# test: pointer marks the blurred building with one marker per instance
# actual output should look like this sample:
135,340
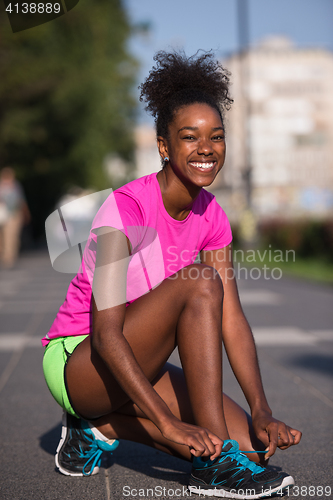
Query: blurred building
281,126
147,158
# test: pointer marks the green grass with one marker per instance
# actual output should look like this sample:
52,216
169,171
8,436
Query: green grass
315,269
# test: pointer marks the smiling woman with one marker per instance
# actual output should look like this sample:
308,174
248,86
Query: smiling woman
140,293
195,145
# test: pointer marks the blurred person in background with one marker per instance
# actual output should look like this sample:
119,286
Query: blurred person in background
14,213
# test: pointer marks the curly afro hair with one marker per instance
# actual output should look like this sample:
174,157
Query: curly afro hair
178,81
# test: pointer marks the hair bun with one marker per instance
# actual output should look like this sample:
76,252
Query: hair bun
175,73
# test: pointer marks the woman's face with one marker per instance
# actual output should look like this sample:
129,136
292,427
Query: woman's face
196,145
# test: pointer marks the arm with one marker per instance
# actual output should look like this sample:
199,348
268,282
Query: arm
109,341
241,351
26,213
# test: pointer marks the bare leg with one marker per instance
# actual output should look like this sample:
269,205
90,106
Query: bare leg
184,310
130,423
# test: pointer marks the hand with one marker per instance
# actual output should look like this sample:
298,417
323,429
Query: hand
201,441
274,433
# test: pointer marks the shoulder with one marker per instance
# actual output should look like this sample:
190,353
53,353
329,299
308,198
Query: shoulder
136,196
137,188
209,206
218,227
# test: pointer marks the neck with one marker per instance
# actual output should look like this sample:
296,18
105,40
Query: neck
178,198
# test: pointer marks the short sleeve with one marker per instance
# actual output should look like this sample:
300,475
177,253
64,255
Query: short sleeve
220,233
122,212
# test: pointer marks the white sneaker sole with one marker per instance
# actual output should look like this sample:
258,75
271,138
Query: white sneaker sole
214,492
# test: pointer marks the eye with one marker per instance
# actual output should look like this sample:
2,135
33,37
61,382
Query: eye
189,138
219,137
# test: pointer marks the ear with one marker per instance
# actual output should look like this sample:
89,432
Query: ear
162,147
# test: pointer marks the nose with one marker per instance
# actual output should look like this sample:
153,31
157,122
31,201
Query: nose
205,147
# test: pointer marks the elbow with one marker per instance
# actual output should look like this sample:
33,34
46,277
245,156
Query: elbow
103,340
100,340
97,342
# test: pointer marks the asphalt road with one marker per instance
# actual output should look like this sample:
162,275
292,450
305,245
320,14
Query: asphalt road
293,326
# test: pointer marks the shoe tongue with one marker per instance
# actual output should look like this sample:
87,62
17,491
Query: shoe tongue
230,445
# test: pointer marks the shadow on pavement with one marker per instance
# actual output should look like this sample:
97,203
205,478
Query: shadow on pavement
49,441
316,362
133,456
136,457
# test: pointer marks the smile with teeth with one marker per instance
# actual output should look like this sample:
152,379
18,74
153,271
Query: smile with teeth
203,165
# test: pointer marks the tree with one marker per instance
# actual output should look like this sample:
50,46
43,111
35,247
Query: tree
66,101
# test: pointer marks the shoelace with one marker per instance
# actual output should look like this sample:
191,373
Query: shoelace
96,455
242,459
93,455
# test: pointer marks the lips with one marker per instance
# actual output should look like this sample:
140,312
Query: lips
203,166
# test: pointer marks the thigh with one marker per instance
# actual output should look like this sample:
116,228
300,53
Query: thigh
54,362
150,328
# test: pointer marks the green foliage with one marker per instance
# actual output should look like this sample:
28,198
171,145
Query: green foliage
66,101
312,242
309,239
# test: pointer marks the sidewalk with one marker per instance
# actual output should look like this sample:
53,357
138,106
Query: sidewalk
293,324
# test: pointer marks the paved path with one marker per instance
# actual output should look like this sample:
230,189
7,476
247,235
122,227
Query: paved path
293,325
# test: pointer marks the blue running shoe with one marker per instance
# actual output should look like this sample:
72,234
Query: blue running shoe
233,475
79,452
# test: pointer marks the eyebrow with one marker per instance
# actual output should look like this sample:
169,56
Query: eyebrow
196,128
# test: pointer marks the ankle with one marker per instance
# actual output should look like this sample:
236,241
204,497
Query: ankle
100,435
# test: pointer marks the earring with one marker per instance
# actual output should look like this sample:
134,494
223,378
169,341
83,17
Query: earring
166,158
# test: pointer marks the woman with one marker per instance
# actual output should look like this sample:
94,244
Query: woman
114,334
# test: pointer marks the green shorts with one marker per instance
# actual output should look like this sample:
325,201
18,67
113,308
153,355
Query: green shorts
57,353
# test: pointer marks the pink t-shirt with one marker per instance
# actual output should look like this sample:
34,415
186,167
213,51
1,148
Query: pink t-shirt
160,245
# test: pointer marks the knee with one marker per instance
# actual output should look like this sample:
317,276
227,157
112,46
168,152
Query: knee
206,282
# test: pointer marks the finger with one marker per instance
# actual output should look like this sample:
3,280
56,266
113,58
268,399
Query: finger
263,437
294,437
205,443
271,448
218,444
285,438
196,450
200,446
272,432
297,435
210,446
285,445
